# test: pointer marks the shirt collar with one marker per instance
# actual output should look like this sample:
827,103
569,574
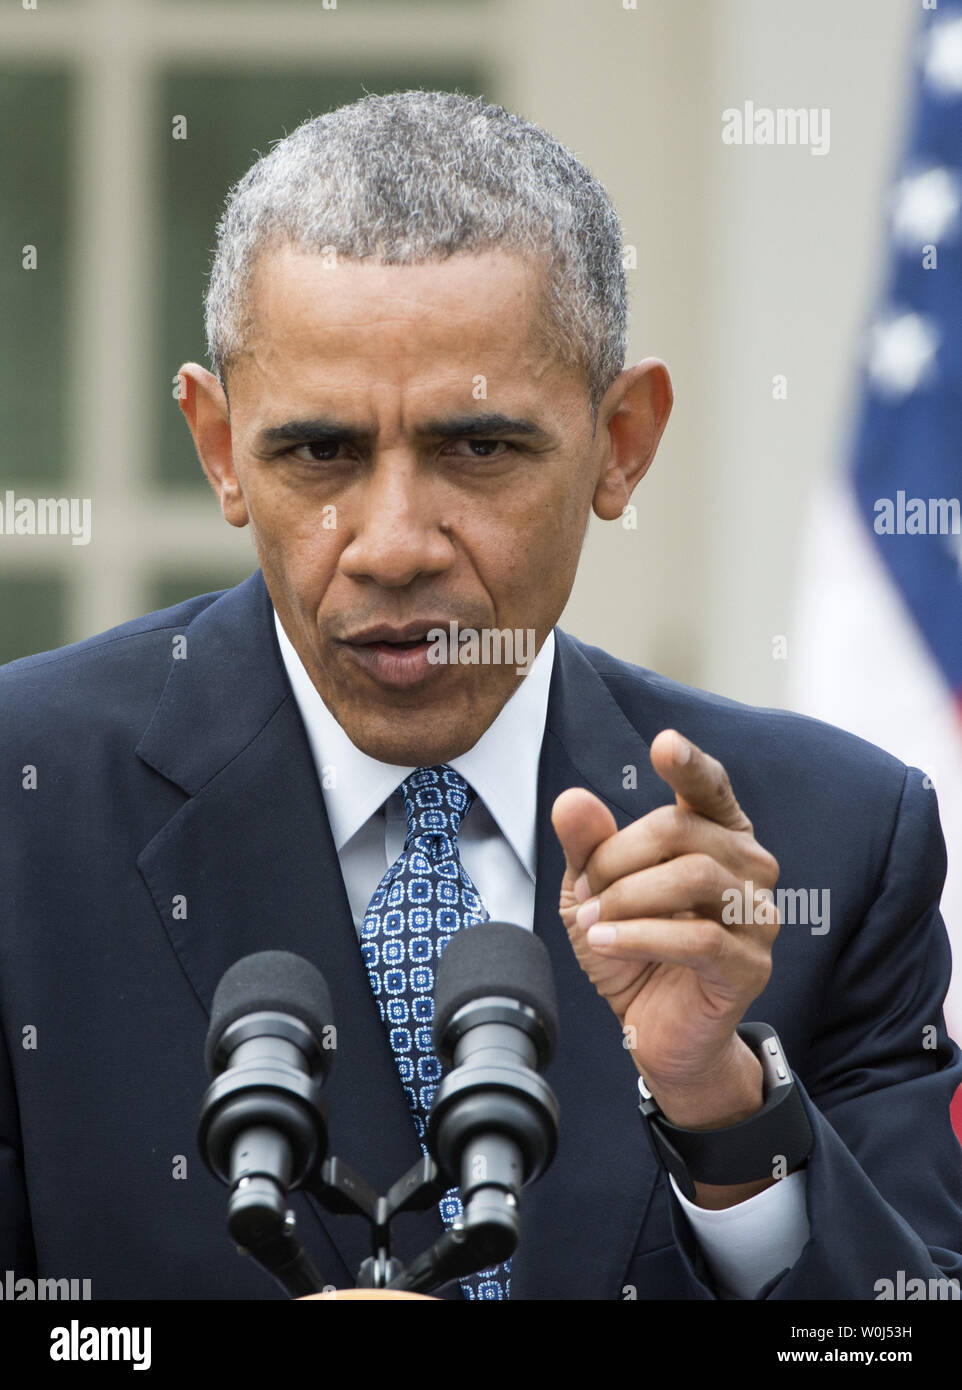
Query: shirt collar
502,767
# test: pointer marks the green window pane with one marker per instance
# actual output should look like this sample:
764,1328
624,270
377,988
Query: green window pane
35,197
32,615
232,117
167,589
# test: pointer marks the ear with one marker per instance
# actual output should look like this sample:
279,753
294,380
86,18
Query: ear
204,404
631,420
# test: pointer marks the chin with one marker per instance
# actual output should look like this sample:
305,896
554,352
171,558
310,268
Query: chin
405,747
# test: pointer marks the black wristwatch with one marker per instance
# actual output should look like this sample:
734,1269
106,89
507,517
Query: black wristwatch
771,1143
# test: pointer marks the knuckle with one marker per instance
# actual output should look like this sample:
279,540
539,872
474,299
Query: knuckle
769,918
686,824
662,830
767,866
701,872
708,940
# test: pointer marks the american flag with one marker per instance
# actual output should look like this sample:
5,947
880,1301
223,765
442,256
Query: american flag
880,608
909,447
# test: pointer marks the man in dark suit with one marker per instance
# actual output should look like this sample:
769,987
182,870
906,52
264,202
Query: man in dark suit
413,447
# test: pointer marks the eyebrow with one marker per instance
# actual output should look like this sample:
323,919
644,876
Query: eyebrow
326,430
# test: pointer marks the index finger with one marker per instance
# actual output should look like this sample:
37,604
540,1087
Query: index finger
699,781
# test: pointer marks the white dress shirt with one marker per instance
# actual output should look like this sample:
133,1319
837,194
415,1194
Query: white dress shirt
744,1246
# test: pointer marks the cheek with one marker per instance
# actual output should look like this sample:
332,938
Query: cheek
548,528
519,559
298,548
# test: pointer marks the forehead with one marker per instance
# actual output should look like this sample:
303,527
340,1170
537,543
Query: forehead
470,312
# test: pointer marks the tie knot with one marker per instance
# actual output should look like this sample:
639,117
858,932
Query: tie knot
436,800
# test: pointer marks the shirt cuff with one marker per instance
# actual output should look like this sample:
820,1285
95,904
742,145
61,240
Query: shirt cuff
747,1245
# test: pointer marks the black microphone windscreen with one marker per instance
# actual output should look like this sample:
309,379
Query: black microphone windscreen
495,958
269,980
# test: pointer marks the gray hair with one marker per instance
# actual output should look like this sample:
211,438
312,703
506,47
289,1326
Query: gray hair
418,176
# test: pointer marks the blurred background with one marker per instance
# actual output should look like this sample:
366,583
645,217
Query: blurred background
814,354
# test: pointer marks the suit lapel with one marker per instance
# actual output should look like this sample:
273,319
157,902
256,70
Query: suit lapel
248,864
580,1222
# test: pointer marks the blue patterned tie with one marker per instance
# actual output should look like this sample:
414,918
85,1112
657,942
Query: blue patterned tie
422,900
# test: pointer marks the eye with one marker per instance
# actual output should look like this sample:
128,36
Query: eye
329,451
487,447
319,452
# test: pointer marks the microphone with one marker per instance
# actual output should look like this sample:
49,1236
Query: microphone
263,1121
494,1123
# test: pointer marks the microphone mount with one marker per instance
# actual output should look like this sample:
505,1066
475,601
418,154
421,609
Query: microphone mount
492,1129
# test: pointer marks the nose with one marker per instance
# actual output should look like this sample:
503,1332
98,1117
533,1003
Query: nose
397,523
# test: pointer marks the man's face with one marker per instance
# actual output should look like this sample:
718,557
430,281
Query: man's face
407,456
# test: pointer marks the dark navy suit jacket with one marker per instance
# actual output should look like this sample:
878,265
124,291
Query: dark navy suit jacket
166,777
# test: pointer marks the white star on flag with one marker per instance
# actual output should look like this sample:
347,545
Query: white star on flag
902,353
925,207
943,62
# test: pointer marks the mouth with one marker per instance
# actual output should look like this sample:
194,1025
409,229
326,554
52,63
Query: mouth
395,656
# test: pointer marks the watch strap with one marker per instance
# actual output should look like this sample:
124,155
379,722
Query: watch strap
769,1144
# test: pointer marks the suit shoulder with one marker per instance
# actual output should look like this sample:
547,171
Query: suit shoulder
123,668
723,726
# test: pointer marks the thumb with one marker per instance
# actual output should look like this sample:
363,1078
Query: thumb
581,822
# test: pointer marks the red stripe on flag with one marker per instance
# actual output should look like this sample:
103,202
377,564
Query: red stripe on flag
956,1113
